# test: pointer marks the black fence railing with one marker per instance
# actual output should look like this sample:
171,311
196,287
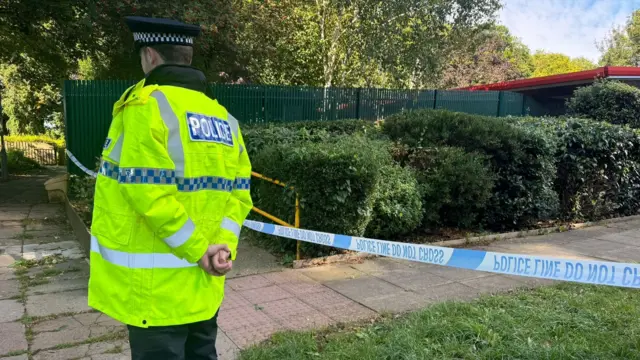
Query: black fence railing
43,153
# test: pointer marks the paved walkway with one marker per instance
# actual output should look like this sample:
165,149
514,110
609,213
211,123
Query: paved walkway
43,304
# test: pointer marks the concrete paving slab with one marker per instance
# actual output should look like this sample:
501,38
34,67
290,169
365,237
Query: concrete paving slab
19,357
253,260
10,310
623,238
455,274
13,215
108,350
7,273
452,291
265,294
9,288
332,273
12,338
364,288
249,282
58,303
494,283
419,282
10,232
226,349
68,249
55,286
73,329
397,303
6,261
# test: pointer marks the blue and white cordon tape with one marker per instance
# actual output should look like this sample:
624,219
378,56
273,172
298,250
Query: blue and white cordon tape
543,267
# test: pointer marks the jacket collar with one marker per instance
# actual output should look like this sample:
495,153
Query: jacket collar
178,75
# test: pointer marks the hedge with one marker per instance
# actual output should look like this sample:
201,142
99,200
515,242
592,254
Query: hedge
521,158
35,138
607,100
598,167
455,185
336,181
397,207
257,137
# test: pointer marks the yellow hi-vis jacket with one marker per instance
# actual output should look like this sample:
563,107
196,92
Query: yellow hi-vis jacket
174,179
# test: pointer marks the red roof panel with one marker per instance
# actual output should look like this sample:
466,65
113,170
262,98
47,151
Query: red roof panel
580,76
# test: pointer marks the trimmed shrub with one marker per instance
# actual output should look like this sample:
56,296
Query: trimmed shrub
456,185
18,162
522,159
598,167
336,181
257,137
35,138
397,208
607,100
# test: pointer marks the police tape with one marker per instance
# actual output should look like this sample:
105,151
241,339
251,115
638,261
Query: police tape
541,267
79,164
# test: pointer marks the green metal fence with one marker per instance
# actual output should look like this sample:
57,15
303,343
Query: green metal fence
88,107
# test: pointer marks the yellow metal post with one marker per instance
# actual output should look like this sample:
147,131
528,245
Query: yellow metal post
297,224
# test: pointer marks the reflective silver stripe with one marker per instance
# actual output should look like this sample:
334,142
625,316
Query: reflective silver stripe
174,145
233,123
139,261
181,236
232,226
116,152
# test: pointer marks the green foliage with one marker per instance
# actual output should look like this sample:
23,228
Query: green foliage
336,181
598,167
456,185
17,162
607,100
521,158
397,208
256,137
621,47
546,64
568,321
35,138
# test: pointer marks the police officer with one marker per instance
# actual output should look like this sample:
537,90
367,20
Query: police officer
171,196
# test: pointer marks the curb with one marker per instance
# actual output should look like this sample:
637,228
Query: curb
79,228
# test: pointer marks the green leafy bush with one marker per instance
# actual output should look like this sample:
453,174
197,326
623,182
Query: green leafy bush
607,100
17,162
35,138
456,185
598,167
397,208
522,159
257,137
336,181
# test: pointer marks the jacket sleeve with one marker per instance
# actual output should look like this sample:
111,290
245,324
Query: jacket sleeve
147,180
239,204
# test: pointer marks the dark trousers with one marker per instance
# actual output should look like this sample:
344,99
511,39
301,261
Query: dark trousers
195,341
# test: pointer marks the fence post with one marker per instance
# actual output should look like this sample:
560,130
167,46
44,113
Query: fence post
435,98
500,94
358,103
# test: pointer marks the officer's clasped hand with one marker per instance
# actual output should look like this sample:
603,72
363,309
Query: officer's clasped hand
214,261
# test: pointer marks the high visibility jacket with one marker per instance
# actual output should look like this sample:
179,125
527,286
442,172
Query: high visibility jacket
174,178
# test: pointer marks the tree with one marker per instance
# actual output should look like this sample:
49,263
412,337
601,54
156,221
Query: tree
357,43
493,55
40,42
546,64
622,46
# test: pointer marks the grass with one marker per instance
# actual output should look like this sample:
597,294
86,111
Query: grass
567,321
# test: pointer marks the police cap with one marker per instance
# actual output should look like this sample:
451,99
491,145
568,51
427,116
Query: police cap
153,31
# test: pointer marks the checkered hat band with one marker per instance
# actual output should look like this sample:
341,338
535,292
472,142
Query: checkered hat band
158,38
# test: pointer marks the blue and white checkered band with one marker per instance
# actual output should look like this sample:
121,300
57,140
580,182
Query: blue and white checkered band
159,38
